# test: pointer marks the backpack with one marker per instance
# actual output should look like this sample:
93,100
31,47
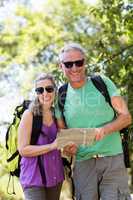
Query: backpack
12,154
101,86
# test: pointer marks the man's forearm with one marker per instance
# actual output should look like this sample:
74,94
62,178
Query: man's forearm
122,121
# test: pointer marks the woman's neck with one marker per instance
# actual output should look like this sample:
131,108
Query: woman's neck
47,117
46,112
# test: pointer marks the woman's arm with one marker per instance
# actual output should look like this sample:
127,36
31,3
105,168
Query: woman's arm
24,137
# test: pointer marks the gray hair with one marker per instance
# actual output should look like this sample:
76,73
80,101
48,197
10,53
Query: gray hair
45,76
69,47
35,106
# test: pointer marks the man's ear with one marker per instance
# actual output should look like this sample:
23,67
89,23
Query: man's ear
60,66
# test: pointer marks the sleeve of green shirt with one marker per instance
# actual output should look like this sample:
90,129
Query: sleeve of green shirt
112,89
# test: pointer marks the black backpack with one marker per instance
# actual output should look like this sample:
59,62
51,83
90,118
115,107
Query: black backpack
101,86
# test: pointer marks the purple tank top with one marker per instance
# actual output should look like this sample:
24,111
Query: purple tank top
30,173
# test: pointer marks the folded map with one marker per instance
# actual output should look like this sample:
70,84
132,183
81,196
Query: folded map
79,136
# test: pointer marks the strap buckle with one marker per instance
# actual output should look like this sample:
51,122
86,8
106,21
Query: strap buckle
98,156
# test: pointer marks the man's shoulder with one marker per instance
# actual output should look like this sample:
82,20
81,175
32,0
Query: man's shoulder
98,74
63,85
63,88
112,88
105,78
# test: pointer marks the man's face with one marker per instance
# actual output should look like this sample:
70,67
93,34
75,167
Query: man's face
73,65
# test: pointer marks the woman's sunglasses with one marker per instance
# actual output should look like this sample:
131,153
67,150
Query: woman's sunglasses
78,63
49,89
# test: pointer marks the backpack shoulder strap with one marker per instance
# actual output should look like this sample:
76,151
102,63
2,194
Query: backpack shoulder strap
62,97
36,128
19,110
101,86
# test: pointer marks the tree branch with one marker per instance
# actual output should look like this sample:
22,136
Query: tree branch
117,54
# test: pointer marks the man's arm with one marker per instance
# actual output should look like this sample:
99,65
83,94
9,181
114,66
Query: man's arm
123,118
61,123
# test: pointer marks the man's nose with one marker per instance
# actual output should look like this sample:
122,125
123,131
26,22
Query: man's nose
74,68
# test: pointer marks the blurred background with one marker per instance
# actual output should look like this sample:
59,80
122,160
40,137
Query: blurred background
31,35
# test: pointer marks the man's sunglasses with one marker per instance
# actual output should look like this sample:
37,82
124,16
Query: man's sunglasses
78,63
49,89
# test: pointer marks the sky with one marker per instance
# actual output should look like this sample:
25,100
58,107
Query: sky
39,3
36,5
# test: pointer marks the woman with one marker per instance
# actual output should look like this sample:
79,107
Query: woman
34,184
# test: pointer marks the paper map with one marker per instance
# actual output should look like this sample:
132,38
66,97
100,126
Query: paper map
80,136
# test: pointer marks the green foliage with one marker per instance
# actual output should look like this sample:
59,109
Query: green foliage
104,30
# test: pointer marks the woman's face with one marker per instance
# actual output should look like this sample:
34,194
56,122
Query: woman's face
46,92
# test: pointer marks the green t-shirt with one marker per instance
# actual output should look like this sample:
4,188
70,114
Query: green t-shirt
86,107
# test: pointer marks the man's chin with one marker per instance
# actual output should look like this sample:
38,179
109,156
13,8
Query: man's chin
76,79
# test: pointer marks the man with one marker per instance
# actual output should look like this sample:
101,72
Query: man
99,170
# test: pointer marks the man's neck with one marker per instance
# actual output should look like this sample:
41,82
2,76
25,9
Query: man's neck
78,84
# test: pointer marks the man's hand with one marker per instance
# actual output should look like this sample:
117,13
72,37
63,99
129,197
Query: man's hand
100,133
70,149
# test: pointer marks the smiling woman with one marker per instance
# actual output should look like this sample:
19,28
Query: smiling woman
41,172
45,89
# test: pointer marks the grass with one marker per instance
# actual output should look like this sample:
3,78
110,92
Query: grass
3,189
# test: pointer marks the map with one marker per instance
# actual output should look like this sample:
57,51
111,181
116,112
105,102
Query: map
79,136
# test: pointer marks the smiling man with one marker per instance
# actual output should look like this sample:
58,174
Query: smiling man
99,170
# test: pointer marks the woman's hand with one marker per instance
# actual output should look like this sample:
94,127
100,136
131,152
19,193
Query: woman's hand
70,149
53,145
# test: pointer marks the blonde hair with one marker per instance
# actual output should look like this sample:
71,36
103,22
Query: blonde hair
35,106
69,47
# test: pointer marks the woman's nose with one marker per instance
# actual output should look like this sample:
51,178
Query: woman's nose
45,93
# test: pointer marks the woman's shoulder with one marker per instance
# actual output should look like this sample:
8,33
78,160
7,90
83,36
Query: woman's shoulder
27,114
